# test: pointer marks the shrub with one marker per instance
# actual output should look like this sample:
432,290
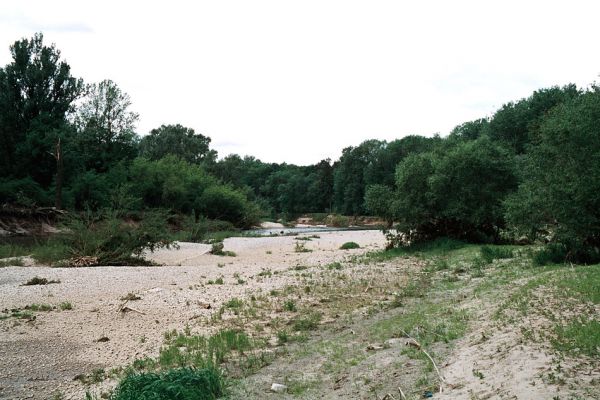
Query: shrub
552,253
113,242
350,245
177,384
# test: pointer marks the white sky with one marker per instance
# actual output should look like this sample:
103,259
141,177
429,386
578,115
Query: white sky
297,81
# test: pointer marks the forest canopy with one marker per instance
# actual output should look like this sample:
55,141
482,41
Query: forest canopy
530,170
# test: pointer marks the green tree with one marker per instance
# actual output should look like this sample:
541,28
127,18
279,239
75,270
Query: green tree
514,124
106,126
37,92
380,200
179,141
455,191
560,188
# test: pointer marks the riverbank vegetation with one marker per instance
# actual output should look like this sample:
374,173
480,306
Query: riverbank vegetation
528,172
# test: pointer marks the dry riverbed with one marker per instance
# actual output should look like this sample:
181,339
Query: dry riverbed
322,323
42,356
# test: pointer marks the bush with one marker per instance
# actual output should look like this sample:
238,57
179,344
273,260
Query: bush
350,245
111,241
552,253
177,384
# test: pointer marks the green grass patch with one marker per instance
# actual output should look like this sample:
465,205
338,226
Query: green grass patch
578,337
350,246
176,384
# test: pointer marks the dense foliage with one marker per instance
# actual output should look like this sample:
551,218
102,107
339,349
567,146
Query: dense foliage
532,169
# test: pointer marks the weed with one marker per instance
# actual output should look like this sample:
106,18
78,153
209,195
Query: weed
301,248
290,305
234,303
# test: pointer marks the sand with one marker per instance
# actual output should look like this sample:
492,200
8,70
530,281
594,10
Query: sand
41,357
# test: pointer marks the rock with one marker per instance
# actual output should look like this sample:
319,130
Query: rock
278,388
374,347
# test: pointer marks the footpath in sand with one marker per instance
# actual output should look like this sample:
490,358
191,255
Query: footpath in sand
41,357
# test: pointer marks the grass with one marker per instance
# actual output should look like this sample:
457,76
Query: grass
307,322
290,305
350,246
178,384
578,337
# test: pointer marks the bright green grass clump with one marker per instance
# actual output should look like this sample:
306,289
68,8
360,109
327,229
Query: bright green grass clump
350,246
175,384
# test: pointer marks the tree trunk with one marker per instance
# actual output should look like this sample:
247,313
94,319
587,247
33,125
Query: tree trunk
59,175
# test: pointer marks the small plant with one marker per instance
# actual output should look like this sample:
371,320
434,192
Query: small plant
36,280
290,305
131,297
334,265
350,246
234,303
65,306
478,374
282,337
219,281
39,307
217,249
301,248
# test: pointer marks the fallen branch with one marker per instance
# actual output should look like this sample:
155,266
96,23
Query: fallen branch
402,395
416,344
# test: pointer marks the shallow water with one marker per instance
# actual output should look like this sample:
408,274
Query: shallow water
299,230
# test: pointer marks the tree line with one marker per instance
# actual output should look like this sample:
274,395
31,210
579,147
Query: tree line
529,170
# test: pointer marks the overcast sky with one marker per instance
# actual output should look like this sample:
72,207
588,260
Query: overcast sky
297,81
